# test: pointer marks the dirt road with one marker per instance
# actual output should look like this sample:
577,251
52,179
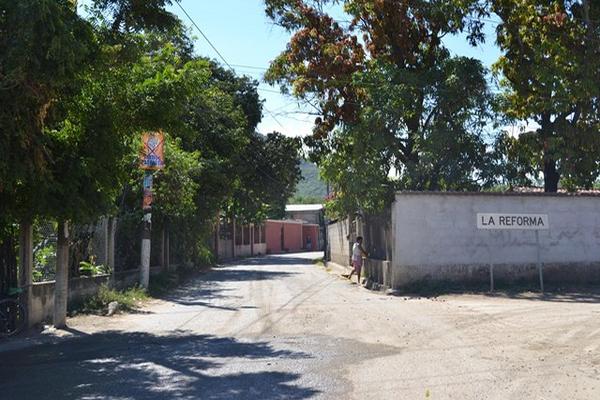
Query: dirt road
282,328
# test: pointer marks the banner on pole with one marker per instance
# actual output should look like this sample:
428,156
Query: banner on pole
152,157
147,202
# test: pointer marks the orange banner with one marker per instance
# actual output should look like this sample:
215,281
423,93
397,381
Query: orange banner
152,157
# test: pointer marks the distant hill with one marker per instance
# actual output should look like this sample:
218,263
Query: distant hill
310,189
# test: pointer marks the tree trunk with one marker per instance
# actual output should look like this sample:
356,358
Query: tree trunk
551,176
25,254
8,262
61,287
110,245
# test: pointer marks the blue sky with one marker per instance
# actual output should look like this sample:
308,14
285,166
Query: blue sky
248,40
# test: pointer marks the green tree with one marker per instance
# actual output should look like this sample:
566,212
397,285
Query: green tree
550,71
268,174
65,108
43,45
136,16
394,110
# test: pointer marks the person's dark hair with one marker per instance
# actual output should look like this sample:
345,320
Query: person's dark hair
358,238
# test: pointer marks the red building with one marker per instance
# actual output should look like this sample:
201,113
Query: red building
289,236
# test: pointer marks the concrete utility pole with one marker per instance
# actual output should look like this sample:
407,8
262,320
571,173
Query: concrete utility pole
152,160
146,232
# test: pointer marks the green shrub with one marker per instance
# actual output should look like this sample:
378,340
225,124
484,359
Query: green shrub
89,268
128,299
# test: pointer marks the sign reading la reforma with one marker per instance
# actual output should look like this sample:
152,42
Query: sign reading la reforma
512,221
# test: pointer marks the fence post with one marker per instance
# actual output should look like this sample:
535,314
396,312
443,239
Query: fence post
233,237
217,236
251,232
61,287
26,270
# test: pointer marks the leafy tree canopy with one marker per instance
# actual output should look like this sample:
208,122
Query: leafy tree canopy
394,109
550,71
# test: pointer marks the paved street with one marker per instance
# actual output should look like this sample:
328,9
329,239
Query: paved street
282,328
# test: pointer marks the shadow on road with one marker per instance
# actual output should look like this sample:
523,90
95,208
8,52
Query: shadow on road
203,290
278,259
239,274
119,365
581,295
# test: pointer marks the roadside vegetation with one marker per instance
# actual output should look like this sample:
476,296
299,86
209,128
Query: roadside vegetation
79,87
131,299
128,300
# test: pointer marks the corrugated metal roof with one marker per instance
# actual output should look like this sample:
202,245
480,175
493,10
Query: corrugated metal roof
303,207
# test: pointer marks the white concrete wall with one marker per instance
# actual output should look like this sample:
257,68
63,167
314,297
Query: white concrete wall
225,249
42,299
260,248
436,237
338,242
243,250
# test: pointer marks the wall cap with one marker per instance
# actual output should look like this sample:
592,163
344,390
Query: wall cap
595,194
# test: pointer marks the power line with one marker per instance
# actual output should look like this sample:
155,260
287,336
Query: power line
219,53
266,174
250,67
203,35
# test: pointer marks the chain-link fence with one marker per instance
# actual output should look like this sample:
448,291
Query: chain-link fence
88,249
128,241
44,250
105,246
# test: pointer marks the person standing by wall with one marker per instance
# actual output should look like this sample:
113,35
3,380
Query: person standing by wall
358,252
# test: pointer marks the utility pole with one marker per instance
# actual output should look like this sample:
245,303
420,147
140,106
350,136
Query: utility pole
152,160
326,255
146,230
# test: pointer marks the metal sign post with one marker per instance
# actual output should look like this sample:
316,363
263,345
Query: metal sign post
152,159
491,265
499,221
539,260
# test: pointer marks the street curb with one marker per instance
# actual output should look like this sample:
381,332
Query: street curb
34,338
